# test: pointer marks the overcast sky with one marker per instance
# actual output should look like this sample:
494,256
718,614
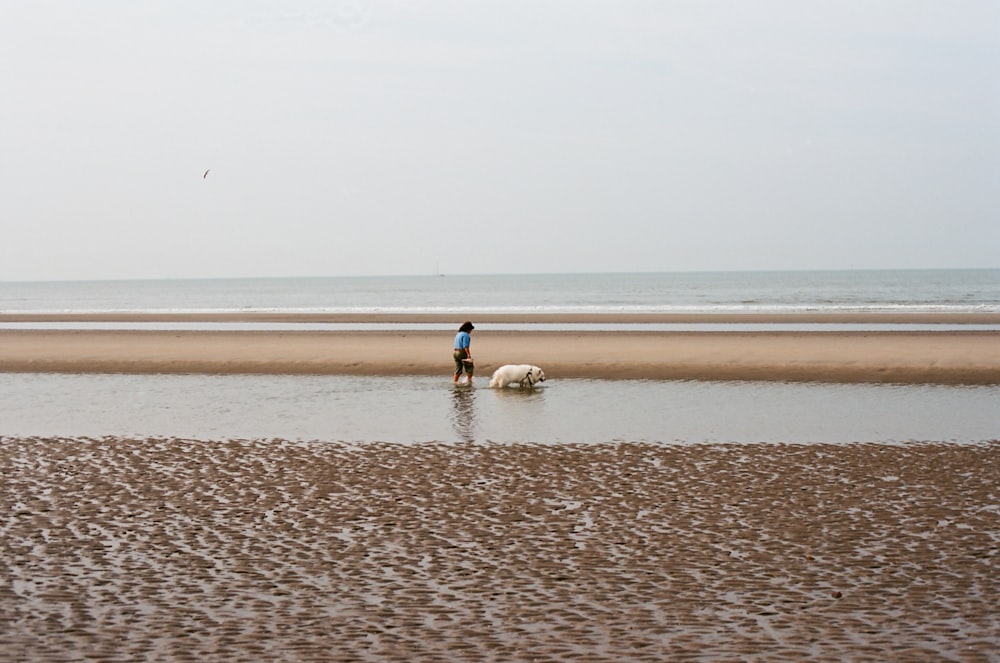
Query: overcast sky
409,136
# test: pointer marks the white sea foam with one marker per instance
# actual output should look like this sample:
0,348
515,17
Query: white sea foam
497,326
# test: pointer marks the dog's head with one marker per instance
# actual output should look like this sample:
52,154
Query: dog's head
537,375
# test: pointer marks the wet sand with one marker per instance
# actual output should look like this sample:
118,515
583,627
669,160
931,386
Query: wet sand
166,549
954,357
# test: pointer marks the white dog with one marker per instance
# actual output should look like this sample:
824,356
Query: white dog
525,375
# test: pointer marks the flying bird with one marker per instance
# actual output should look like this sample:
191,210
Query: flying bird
206,174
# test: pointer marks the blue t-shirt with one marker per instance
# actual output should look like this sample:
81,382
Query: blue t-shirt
462,340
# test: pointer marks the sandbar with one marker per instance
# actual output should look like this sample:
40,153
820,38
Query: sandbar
932,357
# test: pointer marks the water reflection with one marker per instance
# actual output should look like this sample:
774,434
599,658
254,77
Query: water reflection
463,412
524,412
519,394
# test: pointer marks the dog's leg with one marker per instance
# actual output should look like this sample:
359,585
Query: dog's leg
527,378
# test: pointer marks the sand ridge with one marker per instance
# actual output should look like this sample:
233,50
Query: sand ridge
126,549
957,357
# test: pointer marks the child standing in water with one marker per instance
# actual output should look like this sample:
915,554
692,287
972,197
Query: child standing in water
463,353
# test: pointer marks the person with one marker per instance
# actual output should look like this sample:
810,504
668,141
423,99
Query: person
463,352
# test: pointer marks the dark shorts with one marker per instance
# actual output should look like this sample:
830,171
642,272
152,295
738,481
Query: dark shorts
462,363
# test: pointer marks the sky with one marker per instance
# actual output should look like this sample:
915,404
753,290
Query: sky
369,137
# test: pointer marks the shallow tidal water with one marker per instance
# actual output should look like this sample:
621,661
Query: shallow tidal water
425,409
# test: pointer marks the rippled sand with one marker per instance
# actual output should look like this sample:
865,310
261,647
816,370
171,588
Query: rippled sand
165,549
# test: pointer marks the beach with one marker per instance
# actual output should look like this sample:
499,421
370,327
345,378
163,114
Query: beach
122,547
952,357
173,549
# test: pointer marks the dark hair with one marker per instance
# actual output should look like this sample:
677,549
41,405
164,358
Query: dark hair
466,326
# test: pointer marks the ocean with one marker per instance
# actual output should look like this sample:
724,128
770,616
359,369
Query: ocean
414,410
902,291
